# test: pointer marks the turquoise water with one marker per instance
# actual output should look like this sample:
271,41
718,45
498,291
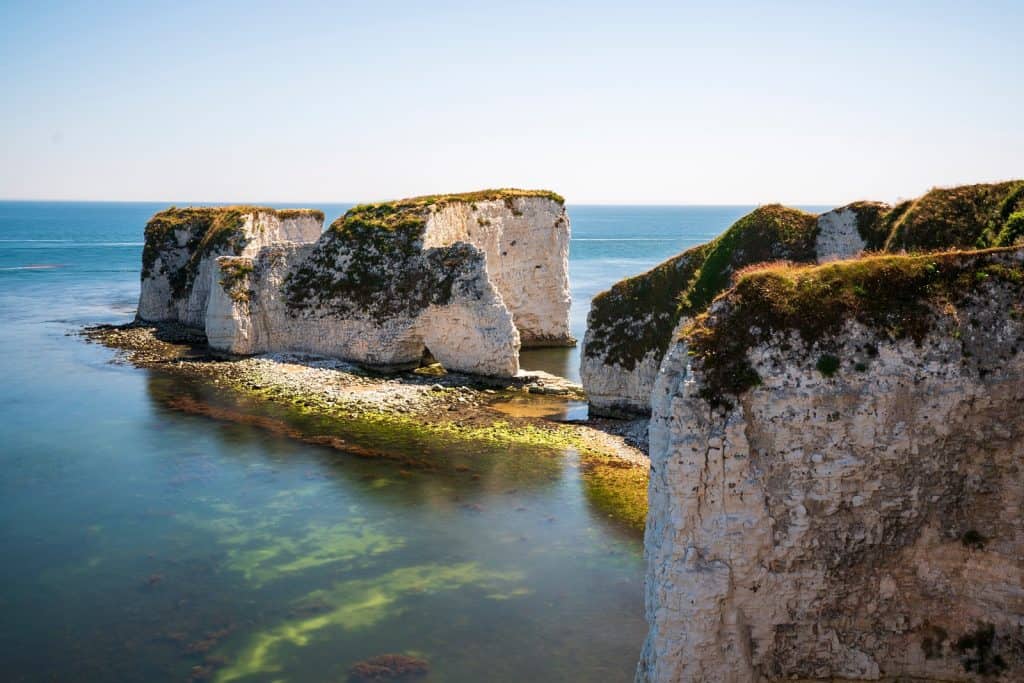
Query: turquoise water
145,544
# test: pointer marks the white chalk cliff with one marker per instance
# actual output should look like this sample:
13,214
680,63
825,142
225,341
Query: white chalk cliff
837,485
182,245
468,278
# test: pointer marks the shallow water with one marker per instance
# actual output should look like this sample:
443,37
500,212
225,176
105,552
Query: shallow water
141,541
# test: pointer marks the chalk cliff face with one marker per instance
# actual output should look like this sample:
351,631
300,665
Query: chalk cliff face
837,477
630,325
526,242
182,245
466,278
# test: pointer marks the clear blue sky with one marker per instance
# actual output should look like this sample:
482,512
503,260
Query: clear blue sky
715,102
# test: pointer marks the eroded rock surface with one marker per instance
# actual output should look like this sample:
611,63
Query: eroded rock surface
183,244
465,278
836,484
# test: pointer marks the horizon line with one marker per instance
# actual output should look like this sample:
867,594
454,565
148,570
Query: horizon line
271,203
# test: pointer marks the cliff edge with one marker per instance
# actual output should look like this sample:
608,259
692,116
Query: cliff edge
836,476
630,325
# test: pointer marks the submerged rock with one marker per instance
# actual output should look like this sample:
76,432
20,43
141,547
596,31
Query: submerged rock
463,279
836,483
390,667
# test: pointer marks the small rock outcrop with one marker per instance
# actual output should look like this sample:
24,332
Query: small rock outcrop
837,476
630,325
466,279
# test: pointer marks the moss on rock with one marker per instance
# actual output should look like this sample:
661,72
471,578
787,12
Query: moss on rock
206,231
620,335
637,315
233,274
769,233
372,261
896,296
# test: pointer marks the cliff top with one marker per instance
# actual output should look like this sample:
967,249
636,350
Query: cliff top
686,284
898,296
978,216
210,228
413,211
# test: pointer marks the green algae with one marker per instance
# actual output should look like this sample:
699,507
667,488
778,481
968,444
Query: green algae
375,422
258,551
617,489
359,604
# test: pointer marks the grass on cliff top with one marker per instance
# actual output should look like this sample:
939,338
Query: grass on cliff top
686,284
769,233
210,228
969,216
413,211
897,296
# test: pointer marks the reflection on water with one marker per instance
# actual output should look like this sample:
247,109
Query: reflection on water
551,407
560,361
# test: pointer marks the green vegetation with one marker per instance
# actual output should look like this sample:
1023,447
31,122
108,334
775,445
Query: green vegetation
233,274
873,222
620,334
434,201
211,230
686,284
969,216
413,212
828,364
897,296
371,259
359,268
769,233
634,317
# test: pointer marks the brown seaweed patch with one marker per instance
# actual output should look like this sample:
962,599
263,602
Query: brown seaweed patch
388,667
190,405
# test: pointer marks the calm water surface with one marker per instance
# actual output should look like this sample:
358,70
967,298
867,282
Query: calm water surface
145,544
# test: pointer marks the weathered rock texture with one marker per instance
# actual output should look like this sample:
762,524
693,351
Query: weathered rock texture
464,278
836,477
182,245
630,325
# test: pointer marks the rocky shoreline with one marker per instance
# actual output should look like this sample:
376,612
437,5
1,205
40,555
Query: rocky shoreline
428,402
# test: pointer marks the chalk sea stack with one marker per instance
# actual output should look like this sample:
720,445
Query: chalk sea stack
467,279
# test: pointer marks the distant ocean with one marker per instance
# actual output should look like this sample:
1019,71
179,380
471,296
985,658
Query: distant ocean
143,544
83,257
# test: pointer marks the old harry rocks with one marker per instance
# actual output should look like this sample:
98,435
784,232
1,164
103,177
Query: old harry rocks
467,279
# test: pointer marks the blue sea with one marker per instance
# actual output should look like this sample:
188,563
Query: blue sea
146,544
